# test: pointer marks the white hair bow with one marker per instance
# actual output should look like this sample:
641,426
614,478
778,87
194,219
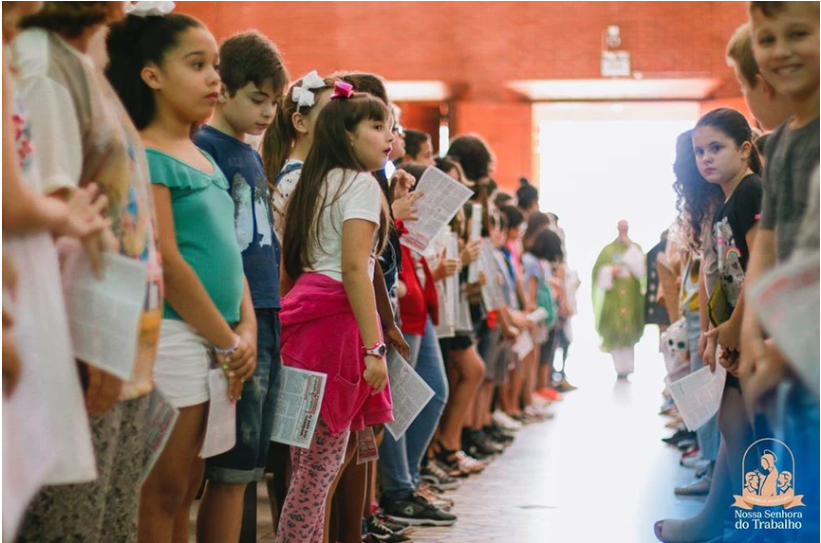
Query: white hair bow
302,94
144,9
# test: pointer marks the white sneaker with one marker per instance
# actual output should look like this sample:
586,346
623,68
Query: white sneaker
505,422
692,461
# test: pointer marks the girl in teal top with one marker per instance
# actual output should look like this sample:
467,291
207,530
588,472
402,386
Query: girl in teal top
165,70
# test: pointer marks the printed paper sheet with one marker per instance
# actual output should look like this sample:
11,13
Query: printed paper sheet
298,404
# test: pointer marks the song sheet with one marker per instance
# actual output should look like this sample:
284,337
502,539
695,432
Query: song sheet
104,315
448,291
492,293
221,430
443,196
298,405
787,303
698,395
475,233
523,345
366,449
162,416
410,394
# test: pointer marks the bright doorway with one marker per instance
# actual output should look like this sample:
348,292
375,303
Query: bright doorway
599,163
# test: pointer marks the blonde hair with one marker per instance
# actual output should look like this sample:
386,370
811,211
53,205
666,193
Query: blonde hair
740,53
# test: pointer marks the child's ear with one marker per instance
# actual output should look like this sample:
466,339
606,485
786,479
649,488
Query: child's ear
223,97
300,122
150,75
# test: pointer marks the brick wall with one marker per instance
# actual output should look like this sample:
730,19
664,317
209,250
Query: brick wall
476,47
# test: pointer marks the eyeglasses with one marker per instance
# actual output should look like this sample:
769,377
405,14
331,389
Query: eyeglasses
399,129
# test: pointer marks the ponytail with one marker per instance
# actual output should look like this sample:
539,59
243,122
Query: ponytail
280,137
133,43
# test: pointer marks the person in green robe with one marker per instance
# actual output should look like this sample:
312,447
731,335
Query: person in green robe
618,301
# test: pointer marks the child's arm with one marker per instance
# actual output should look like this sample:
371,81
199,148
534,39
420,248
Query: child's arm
286,282
185,292
728,333
393,334
762,258
357,236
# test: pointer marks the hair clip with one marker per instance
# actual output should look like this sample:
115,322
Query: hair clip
302,94
342,90
144,9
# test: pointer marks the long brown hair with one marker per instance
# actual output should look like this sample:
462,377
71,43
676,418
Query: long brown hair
280,136
331,150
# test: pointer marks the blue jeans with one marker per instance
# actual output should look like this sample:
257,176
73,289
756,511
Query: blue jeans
708,435
400,460
255,411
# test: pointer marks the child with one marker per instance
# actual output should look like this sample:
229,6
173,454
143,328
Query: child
83,136
329,258
787,34
726,157
165,69
289,138
400,460
769,107
418,148
253,78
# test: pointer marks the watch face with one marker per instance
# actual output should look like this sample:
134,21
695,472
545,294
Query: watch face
381,350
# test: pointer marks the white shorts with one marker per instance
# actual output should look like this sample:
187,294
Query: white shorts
182,363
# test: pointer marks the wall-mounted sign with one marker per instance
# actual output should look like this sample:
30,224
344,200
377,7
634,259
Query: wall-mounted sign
615,63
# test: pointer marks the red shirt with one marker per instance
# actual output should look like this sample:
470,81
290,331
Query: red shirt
418,302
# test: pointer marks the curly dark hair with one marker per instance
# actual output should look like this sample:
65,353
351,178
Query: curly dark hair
697,199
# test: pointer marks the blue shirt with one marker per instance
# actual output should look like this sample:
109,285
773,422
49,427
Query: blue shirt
253,219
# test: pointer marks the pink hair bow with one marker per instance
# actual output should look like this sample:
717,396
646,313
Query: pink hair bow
342,90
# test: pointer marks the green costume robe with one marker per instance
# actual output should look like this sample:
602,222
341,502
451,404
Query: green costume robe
619,311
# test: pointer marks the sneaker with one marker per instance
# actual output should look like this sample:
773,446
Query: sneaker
496,434
502,420
435,476
565,386
550,394
538,414
417,511
435,498
694,462
381,531
396,526
477,445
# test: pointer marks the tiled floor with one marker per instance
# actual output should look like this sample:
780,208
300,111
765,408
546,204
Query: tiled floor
597,472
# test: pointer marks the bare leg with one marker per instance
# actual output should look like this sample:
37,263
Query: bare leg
470,370
166,491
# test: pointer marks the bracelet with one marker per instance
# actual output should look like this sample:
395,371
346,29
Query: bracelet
229,350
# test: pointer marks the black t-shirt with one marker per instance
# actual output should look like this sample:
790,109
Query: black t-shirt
732,221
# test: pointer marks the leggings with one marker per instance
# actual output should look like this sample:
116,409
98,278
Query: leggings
314,469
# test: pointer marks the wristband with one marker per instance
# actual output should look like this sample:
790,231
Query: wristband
230,350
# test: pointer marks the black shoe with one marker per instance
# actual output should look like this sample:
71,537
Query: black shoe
499,433
476,444
382,531
433,474
680,435
417,511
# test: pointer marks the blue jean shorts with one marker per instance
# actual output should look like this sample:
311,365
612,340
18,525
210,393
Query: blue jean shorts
255,411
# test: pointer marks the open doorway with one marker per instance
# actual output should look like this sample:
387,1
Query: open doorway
599,163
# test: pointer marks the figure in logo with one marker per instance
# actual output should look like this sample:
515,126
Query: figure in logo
752,483
785,484
769,487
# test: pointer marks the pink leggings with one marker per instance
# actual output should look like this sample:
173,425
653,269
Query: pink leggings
314,469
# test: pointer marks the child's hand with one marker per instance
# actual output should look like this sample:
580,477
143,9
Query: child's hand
85,222
405,209
376,373
447,266
396,340
243,361
401,183
235,389
708,356
471,252
103,391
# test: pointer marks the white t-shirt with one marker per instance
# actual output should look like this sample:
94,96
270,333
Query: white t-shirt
289,177
351,195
